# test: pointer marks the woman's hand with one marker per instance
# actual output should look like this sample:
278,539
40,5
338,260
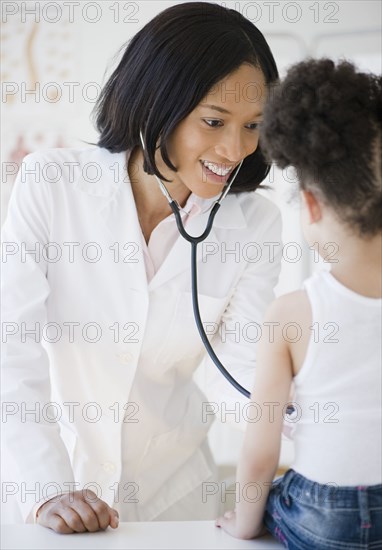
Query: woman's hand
77,512
229,524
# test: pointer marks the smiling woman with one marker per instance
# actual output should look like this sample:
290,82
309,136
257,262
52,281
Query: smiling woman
193,81
218,144
184,55
205,149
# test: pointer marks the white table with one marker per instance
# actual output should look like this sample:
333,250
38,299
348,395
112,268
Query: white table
163,535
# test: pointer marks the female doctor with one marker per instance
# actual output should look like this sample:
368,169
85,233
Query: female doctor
102,415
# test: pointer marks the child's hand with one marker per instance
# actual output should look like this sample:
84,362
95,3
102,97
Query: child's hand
229,524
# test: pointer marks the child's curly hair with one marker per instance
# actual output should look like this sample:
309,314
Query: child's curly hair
325,120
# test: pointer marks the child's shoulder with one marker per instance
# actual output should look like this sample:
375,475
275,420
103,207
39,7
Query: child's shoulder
288,308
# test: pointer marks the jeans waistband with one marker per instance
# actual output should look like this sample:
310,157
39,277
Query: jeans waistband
331,495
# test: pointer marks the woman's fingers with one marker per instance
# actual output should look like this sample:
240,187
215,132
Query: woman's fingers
76,513
87,515
72,519
102,512
56,523
113,518
105,515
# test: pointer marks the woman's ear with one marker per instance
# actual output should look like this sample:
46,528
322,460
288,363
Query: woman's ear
312,206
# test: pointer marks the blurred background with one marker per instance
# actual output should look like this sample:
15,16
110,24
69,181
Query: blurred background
56,56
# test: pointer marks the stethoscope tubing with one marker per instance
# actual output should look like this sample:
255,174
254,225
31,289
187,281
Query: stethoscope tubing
199,324
194,275
194,289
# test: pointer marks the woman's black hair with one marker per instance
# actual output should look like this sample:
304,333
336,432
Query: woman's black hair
168,67
325,120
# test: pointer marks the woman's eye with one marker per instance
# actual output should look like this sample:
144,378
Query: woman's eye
213,123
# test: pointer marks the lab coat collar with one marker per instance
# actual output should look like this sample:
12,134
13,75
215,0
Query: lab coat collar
114,176
108,173
229,215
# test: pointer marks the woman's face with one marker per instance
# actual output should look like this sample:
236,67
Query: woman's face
220,132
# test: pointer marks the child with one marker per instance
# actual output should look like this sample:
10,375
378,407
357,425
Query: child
325,120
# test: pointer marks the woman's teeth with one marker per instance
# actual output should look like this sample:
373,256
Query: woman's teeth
218,169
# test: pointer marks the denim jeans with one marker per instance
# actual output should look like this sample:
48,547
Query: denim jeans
305,515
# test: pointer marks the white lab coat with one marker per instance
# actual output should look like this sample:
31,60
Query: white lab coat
115,354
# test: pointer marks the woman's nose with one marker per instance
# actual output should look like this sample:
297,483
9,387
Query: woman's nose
233,147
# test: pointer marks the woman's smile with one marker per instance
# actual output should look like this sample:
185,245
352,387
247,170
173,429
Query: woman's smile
216,173
218,134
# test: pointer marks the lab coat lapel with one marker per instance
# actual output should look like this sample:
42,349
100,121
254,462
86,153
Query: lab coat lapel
119,217
229,216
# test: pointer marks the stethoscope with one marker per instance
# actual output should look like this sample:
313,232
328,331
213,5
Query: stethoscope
194,277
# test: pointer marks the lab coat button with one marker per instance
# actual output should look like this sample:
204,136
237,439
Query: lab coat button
108,467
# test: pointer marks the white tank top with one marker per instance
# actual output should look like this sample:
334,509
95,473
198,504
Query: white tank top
338,422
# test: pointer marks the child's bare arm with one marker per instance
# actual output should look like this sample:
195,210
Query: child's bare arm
261,449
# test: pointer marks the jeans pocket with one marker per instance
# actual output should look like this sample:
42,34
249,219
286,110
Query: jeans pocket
305,526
